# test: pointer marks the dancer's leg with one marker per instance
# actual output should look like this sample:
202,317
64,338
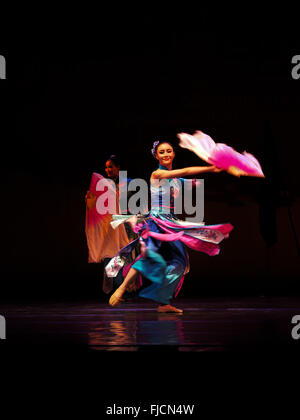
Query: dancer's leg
117,296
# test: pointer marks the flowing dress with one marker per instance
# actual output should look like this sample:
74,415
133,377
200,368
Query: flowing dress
164,259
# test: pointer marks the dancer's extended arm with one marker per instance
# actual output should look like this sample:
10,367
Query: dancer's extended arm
180,173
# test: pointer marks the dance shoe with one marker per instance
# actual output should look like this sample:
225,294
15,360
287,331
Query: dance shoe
116,297
168,309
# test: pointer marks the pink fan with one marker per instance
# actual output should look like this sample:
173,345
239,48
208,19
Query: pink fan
93,216
103,241
221,155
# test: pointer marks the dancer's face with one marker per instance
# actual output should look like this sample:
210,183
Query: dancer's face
112,171
165,154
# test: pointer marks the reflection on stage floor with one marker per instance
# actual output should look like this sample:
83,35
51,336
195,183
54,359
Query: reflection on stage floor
207,325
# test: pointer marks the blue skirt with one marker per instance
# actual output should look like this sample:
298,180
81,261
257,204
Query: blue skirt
164,265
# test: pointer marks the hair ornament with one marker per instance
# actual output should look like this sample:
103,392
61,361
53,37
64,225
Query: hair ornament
153,150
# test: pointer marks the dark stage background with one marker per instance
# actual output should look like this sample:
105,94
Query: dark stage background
68,103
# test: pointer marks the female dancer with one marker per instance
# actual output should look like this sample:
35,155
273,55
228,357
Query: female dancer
165,260
104,241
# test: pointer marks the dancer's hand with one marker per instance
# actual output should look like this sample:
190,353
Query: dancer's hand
90,199
216,170
89,194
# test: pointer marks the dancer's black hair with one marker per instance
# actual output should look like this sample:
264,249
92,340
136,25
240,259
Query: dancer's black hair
156,144
115,160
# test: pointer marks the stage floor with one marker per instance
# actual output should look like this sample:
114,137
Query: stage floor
207,325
